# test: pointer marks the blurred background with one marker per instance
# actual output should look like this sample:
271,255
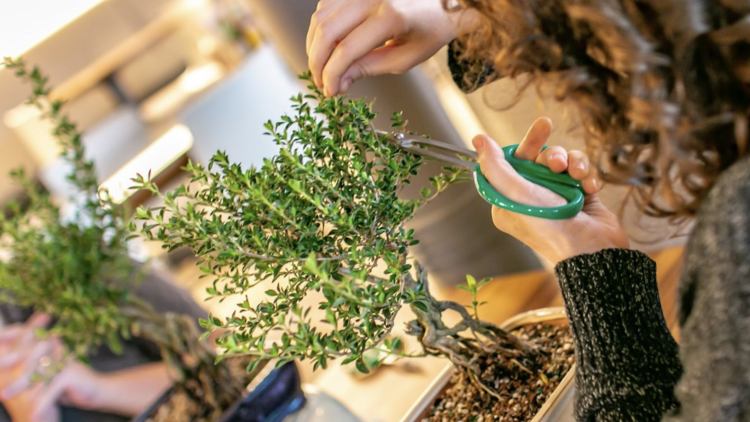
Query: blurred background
157,82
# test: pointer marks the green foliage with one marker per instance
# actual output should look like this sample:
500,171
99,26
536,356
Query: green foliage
322,216
75,269
473,288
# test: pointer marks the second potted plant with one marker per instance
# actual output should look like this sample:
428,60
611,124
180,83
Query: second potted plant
77,270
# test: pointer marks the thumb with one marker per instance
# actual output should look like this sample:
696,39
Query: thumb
17,331
39,320
506,180
46,402
392,58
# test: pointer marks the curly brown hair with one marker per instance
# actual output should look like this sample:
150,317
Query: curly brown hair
661,86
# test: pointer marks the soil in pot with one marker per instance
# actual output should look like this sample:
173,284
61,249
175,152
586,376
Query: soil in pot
524,392
179,408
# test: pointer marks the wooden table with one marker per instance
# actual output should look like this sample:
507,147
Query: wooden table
387,395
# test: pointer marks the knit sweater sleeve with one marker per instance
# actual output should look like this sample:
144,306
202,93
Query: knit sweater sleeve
627,361
628,367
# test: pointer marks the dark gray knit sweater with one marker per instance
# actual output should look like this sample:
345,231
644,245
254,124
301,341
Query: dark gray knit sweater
629,366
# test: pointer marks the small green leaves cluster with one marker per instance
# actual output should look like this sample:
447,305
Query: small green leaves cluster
76,268
323,216
472,286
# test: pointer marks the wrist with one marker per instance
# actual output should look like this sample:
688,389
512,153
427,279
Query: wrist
100,394
464,21
141,385
565,249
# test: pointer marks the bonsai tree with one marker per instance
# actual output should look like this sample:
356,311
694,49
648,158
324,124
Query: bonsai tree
78,270
325,216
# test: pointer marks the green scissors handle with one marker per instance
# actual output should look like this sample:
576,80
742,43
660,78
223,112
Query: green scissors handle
560,183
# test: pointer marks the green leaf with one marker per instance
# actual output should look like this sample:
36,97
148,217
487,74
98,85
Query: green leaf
312,264
420,305
483,282
396,345
252,366
349,359
361,366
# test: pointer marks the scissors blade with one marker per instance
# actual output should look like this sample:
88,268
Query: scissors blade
431,148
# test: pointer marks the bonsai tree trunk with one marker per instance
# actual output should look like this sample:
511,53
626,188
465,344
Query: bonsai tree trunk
190,361
465,352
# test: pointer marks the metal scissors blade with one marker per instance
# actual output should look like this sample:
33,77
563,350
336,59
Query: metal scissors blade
431,148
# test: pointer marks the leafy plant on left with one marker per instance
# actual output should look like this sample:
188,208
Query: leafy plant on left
77,269
80,266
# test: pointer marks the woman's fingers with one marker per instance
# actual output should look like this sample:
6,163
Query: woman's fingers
535,138
592,185
579,168
393,58
366,37
504,178
50,396
323,10
576,163
11,358
555,157
39,320
17,338
330,33
41,355
12,333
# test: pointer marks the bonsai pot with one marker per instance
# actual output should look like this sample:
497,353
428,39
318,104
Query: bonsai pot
557,408
277,396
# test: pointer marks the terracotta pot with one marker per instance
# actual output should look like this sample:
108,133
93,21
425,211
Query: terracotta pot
559,406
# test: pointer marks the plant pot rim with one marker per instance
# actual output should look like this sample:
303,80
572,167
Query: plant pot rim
562,392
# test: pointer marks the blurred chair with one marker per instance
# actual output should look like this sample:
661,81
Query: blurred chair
111,143
230,116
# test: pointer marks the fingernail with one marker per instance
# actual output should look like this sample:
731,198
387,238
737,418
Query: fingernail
345,85
478,142
580,166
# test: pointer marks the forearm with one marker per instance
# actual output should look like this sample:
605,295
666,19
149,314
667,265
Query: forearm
627,361
130,391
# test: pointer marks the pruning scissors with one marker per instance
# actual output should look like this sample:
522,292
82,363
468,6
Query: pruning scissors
560,183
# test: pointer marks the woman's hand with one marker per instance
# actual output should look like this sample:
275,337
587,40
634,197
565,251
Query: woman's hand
76,385
25,355
595,228
352,39
22,355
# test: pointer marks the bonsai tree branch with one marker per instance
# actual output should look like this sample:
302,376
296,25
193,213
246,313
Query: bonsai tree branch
191,362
